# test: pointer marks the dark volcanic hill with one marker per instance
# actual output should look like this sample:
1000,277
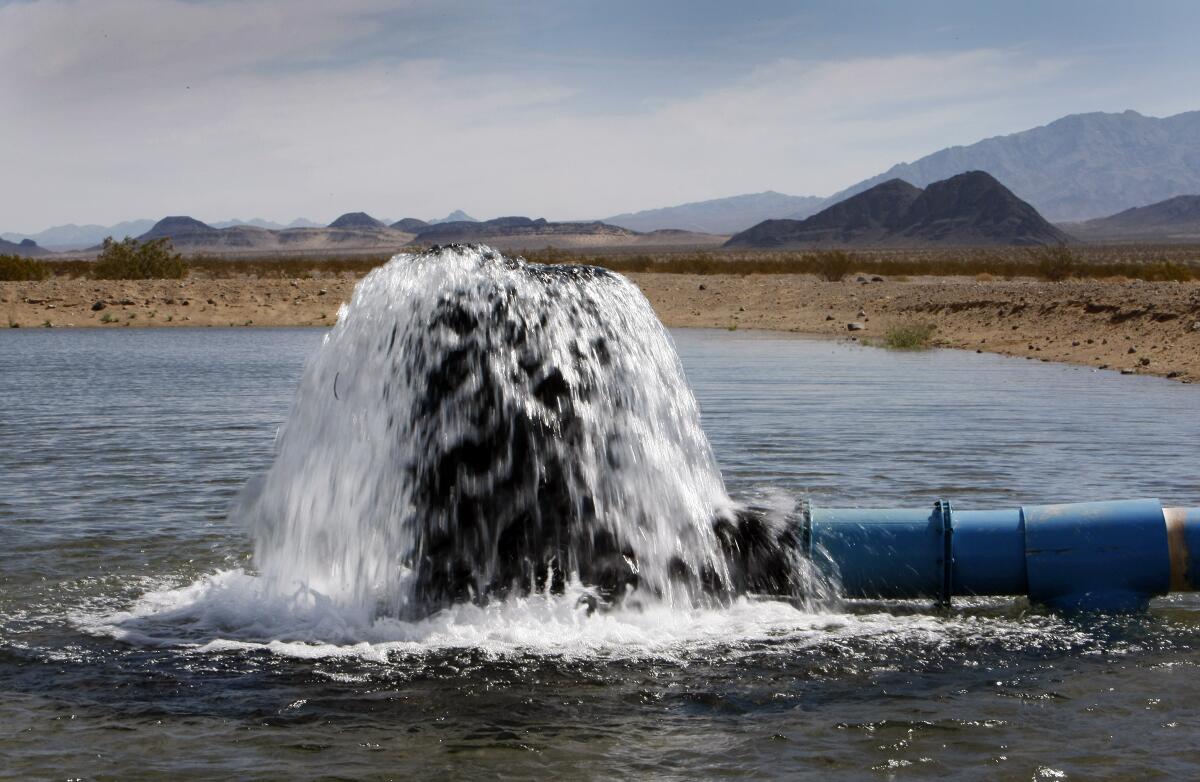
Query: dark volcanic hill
1174,220
968,209
26,248
356,220
181,230
974,208
410,225
865,218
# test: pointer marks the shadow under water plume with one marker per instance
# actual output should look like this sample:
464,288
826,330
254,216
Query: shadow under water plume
476,427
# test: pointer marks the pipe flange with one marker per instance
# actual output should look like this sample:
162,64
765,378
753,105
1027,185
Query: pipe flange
945,520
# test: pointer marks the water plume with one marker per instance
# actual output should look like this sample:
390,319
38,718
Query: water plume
475,426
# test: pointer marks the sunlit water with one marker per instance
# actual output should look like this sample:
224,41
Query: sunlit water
132,645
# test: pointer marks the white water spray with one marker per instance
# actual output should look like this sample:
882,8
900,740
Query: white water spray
475,425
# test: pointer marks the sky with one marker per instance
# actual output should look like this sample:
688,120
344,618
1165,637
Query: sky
278,109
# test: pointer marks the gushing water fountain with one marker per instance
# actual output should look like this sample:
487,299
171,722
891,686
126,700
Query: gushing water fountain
476,426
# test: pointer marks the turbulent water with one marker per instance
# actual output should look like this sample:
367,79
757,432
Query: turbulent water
476,426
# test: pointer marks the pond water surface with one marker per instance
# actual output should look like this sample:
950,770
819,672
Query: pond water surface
121,452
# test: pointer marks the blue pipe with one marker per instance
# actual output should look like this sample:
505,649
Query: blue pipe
1090,556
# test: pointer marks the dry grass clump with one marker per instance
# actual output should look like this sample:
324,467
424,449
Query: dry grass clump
909,336
14,268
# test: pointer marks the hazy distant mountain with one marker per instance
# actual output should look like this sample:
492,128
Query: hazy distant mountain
1174,220
26,248
72,237
968,209
356,220
258,222
720,215
1076,168
457,216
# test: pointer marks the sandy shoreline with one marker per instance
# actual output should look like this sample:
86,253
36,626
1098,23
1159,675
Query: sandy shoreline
1132,326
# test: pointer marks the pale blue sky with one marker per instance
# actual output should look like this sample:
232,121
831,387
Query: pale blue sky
118,109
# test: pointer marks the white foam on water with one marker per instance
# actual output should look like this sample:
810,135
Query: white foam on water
233,611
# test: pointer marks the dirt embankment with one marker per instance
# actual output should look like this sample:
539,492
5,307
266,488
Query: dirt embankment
1143,327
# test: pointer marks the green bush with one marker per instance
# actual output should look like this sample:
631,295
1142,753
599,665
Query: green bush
16,268
130,259
909,336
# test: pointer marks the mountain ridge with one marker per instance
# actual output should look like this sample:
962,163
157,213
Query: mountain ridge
1078,167
1173,219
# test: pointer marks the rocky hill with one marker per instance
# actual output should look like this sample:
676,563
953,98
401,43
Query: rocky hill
184,231
1079,167
410,225
349,232
1173,220
356,220
968,209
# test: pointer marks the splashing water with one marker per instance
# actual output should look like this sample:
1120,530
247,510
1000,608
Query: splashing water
476,425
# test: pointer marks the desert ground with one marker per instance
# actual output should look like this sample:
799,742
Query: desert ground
1127,326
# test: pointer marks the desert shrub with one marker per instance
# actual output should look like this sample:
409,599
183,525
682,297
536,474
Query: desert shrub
1055,263
1163,271
832,265
16,268
130,259
909,336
